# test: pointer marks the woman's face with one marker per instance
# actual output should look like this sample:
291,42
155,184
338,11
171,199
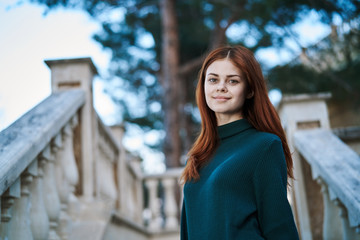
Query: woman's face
225,90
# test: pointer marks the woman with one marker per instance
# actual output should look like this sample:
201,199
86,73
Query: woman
236,174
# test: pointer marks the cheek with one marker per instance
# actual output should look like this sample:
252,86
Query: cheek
207,93
241,93
207,90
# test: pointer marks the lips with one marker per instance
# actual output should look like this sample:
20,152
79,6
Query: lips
221,98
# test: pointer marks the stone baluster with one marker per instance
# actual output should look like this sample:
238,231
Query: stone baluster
19,227
111,192
106,181
348,232
134,194
132,207
62,184
154,204
7,202
171,208
51,197
69,163
137,190
38,214
62,187
332,225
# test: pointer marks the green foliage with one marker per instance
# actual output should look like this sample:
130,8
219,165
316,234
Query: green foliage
332,65
202,25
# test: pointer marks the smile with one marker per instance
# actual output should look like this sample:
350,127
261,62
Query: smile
221,98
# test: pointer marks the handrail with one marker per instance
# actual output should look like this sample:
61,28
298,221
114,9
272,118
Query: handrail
22,141
169,173
336,164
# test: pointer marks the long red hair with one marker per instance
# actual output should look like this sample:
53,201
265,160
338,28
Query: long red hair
258,110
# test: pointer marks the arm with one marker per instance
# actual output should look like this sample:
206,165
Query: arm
183,224
270,180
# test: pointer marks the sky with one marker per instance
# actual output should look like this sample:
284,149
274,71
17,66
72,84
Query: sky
28,37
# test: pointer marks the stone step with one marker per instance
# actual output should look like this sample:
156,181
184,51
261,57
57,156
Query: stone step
86,230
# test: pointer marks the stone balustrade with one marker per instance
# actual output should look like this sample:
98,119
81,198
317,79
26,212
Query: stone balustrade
38,171
151,208
336,167
163,194
65,175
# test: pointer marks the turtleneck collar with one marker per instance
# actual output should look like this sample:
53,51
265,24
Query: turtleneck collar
233,128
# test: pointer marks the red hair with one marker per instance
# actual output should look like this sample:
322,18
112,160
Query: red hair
258,110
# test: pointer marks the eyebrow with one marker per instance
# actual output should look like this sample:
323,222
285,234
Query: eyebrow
231,75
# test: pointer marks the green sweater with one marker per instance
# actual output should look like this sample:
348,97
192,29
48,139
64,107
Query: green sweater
242,191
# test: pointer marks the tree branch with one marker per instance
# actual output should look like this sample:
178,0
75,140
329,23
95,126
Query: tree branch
191,65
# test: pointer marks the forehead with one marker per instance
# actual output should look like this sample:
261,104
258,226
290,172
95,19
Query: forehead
223,67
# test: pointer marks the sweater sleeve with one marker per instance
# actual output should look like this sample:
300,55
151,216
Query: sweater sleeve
183,224
270,179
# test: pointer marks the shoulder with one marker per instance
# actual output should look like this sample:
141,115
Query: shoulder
265,139
270,152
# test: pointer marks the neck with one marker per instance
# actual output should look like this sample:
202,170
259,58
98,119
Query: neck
224,119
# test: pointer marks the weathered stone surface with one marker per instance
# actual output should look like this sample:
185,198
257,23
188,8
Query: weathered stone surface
21,142
120,227
336,163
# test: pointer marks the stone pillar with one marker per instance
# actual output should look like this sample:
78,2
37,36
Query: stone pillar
296,112
79,73
118,132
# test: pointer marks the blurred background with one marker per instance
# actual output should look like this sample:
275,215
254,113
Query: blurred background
148,86
98,144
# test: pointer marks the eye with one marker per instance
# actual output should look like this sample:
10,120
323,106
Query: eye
212,80
233,81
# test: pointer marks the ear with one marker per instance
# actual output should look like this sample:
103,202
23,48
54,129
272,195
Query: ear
250,95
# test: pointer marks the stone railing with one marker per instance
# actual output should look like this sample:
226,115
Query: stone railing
152,206
350,136
326,170
336,167
38,171
65,175
163,194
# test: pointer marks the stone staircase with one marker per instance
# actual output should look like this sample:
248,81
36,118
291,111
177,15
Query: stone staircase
65,175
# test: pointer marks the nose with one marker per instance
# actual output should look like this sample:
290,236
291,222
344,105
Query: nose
221,87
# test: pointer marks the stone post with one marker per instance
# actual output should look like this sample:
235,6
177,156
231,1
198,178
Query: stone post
79,73
304,111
